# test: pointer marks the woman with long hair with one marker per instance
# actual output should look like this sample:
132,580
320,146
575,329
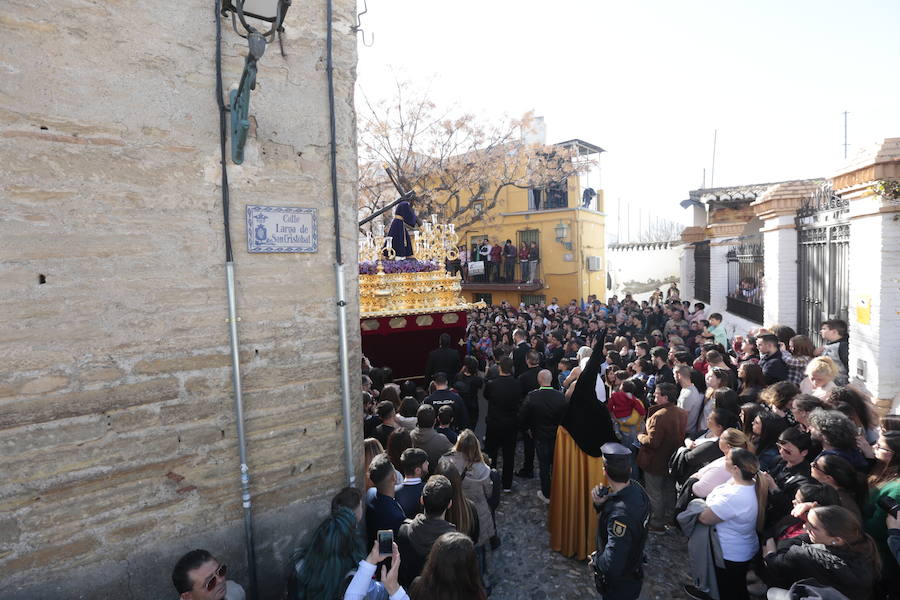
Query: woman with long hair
801,350
334,551
835,552
391,392
749,410
716,379
397,442
789,472
371,449
778,397
476,482
806,497
450,572
884,482
752,381
765,429
837,472
715,474
858,407
462,512
802,407
737,509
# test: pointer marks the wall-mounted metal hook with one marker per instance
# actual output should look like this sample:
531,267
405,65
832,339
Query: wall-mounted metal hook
358,27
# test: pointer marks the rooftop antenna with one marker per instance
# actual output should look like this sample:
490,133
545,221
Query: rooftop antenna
712,174
845,133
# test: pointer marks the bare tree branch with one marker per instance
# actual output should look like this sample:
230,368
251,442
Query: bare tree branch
451,161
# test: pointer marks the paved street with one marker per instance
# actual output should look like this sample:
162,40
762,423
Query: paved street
524,567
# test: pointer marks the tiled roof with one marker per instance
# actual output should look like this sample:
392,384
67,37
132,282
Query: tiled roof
739,194
582,146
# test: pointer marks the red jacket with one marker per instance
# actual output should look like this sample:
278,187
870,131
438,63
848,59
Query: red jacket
496,250
621,404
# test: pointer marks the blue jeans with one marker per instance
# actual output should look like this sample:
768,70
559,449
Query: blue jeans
544,451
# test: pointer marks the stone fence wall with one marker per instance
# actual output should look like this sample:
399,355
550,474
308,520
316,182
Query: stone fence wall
116,408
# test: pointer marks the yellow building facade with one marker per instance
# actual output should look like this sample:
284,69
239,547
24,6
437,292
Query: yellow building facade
568,225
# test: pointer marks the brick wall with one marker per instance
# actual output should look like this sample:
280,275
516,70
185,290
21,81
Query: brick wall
116,409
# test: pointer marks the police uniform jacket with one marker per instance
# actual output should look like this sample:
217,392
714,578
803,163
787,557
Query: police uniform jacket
621,533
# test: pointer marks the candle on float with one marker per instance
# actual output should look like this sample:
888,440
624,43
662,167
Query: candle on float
434,219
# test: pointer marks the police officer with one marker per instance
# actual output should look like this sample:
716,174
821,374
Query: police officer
622,530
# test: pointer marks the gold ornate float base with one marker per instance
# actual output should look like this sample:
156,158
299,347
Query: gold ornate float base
410,293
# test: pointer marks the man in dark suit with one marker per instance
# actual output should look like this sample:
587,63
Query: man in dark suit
520,352
540,415
503,395
444,359
529,382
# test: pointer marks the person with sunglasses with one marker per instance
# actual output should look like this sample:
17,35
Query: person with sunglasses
835,471
835,551
199,576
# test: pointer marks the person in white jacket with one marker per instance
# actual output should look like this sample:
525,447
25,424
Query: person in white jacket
359,585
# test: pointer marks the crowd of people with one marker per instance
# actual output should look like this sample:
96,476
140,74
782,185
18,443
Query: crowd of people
499,262
777,471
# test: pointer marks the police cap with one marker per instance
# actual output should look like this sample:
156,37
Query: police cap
615,453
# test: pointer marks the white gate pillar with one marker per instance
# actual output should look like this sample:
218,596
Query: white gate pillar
777,208
872,185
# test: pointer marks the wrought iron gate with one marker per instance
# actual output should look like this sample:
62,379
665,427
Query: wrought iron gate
823,268
701,271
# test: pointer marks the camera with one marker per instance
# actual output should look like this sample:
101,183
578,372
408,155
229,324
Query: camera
385,542
890,506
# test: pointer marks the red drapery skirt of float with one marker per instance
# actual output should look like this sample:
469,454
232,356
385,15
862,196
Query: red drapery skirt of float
402,342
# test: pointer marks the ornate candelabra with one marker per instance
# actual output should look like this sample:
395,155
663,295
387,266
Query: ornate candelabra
420,284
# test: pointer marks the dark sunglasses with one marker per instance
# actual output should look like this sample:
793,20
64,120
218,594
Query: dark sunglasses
215,577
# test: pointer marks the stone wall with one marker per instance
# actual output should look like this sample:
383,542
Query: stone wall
116,409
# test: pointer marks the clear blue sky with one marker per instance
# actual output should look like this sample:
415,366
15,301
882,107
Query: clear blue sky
650,81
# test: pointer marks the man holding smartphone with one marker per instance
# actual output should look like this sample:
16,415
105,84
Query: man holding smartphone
622,530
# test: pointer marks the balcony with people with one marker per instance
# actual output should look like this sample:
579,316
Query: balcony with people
494,266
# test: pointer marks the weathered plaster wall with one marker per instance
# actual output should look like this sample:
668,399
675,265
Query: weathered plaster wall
116,408
642,264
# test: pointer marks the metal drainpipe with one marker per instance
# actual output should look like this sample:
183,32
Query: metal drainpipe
339,261
232,320
239,417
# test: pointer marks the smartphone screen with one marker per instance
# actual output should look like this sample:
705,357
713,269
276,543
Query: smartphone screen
385,542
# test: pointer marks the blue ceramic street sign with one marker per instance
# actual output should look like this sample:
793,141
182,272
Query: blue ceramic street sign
282,229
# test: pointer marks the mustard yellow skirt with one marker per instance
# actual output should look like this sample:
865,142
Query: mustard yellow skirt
573,520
